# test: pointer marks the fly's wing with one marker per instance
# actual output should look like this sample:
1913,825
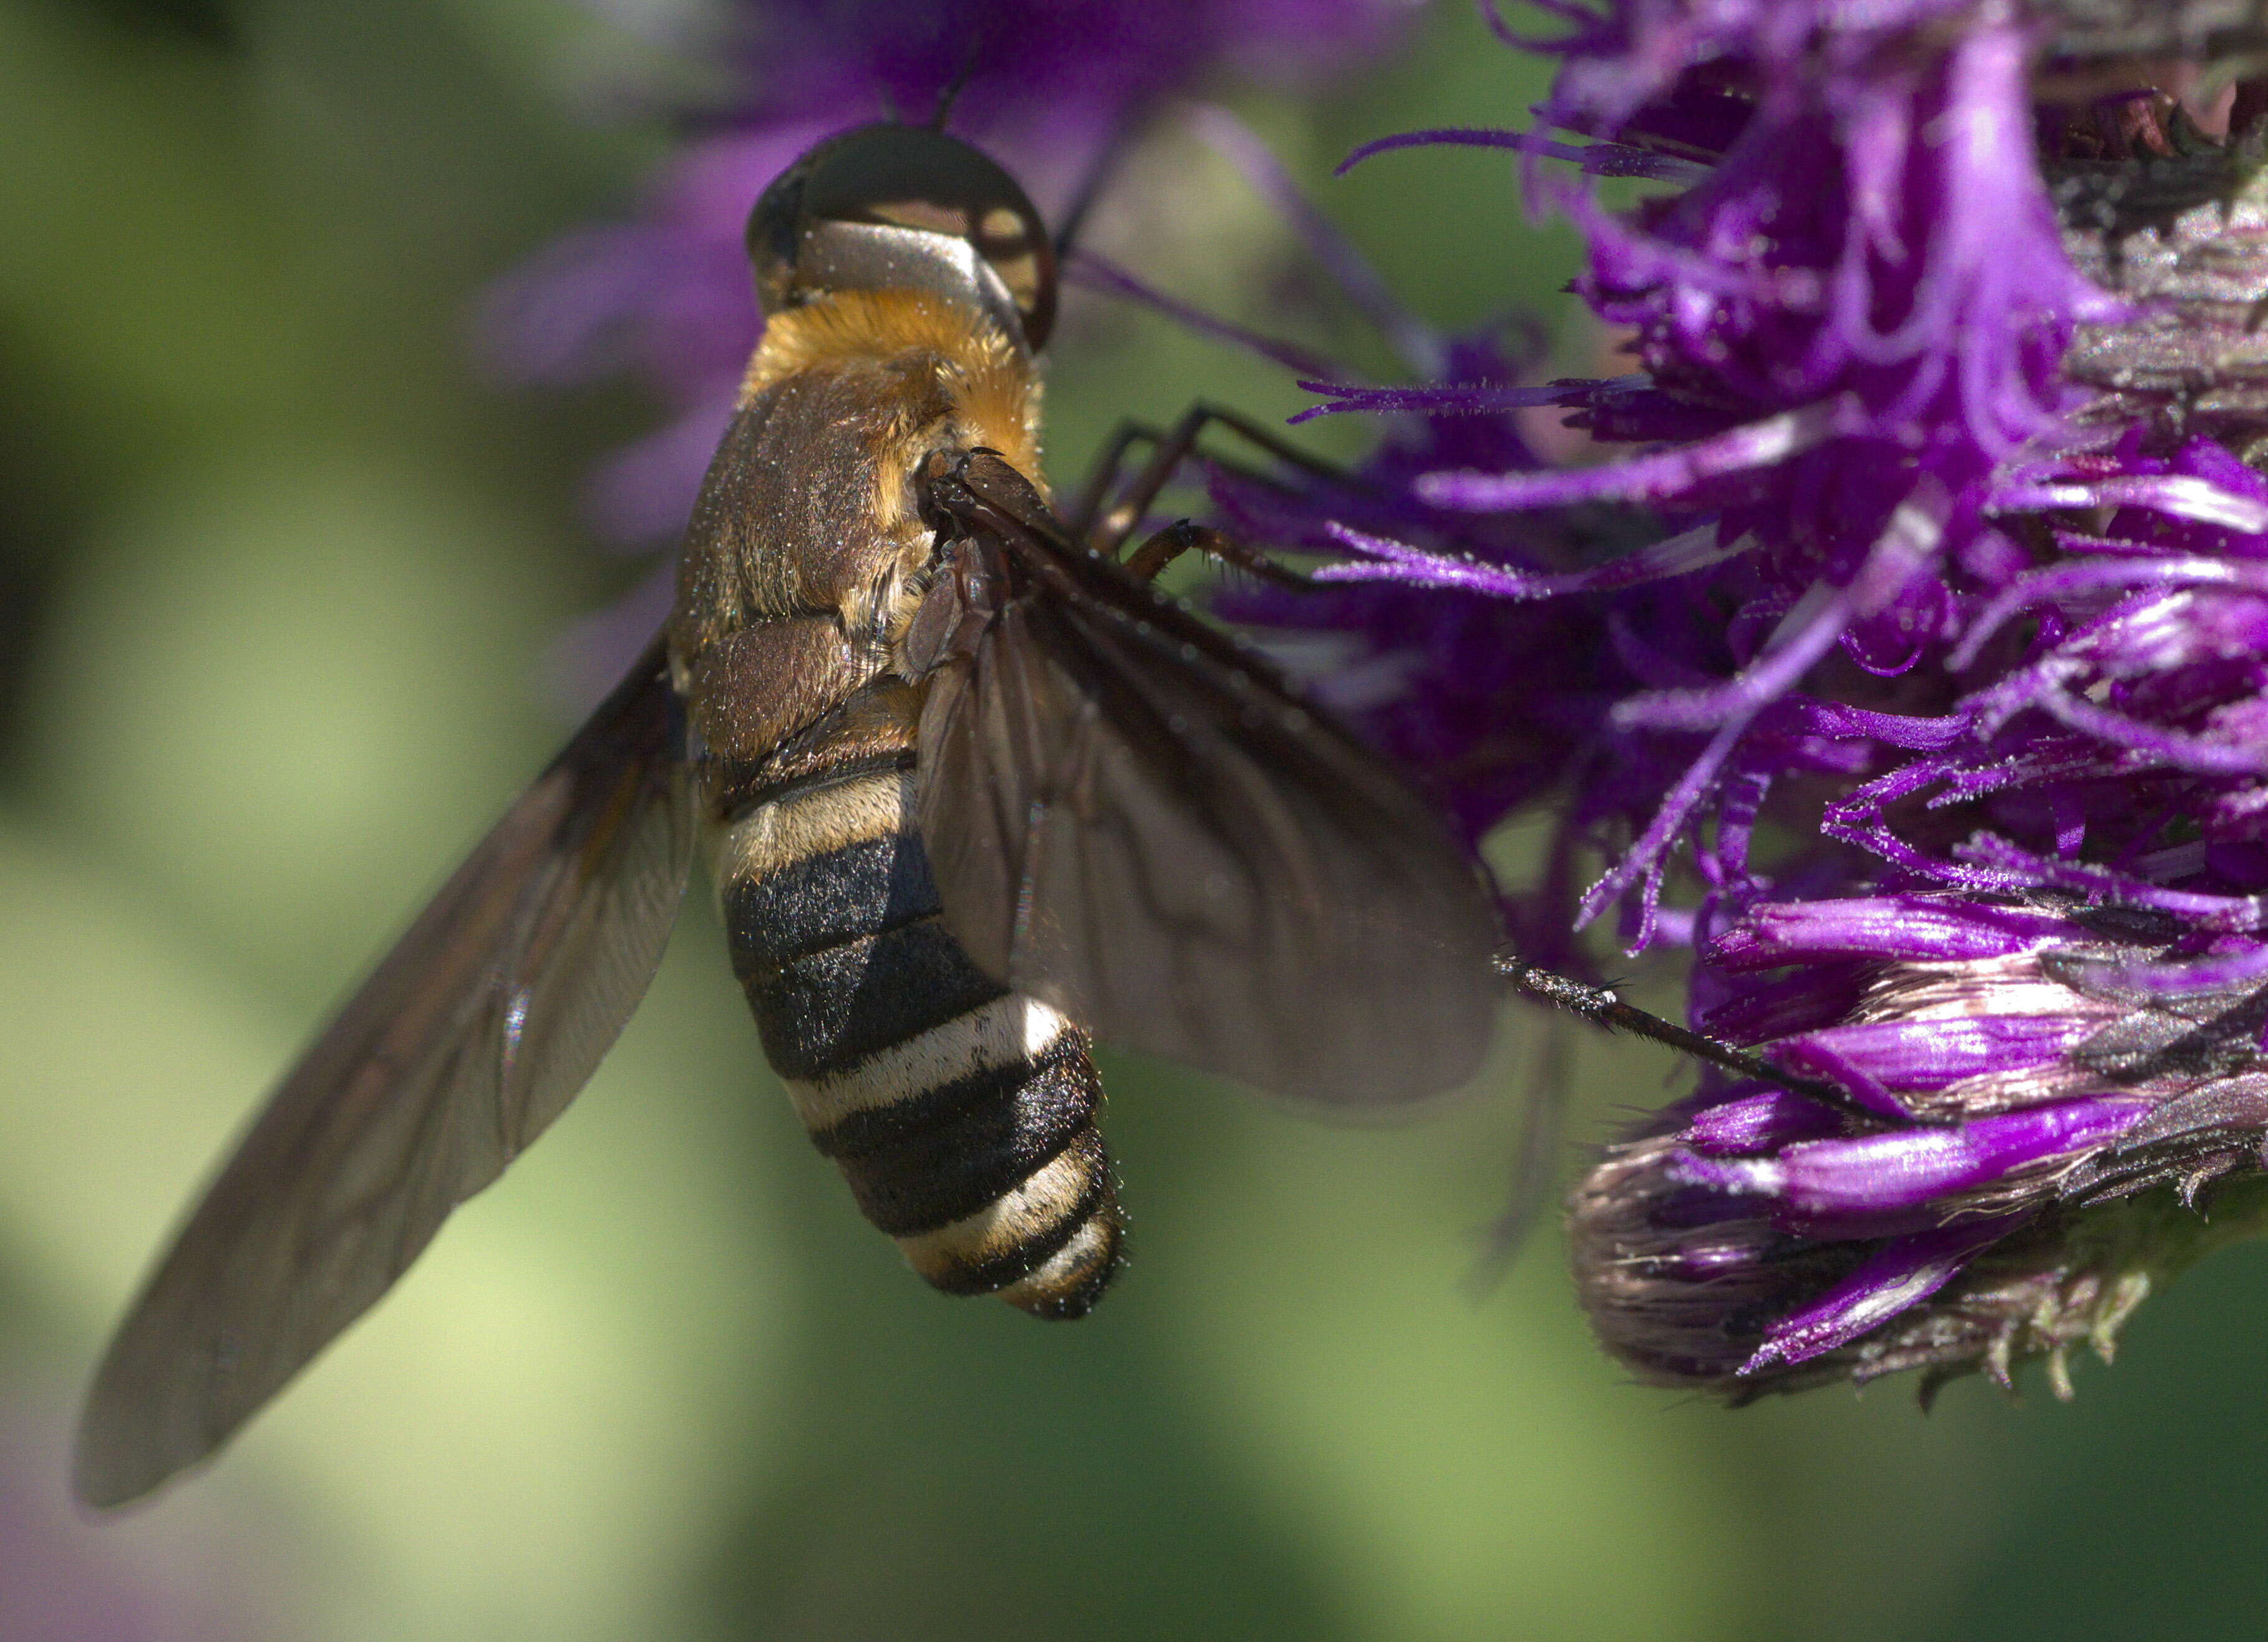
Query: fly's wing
472,1036
1132,818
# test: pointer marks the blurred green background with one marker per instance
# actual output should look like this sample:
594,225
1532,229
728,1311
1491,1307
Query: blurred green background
277,571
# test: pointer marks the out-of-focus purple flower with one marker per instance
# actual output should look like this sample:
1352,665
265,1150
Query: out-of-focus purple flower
1927,698
665,295
196,1573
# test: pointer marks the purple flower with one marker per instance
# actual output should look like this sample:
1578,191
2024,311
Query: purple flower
1913,673
665,295
201,1571
2048,1092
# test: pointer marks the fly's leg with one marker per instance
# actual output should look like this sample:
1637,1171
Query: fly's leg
1182,536
1104,523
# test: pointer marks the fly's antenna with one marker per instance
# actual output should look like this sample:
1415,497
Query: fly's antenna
1098,174
947,98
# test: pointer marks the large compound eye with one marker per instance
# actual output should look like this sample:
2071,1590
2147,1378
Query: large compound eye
905,176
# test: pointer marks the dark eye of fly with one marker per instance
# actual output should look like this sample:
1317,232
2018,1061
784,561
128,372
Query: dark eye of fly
910,177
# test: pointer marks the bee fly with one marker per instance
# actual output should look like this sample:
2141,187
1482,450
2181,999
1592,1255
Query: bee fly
973,793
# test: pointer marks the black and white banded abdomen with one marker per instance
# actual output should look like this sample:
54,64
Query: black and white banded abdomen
962,1114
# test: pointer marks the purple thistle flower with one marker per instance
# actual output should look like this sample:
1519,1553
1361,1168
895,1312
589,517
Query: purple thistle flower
1914,673
2053,1109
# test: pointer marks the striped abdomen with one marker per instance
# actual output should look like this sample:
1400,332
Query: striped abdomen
962,1114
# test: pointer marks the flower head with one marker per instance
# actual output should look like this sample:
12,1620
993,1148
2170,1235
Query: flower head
2047,1094
1924,699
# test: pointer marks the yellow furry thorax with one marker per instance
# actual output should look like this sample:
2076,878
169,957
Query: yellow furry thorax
988,379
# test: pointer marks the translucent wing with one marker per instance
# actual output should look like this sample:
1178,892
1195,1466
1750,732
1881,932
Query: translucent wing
472,1036
1133,819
